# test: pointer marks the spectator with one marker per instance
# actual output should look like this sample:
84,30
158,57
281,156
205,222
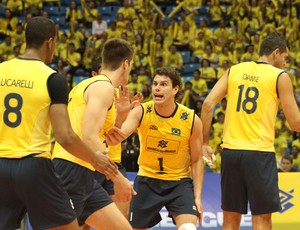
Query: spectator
173,58
189,96
295,156
199,84
7,47
72,59
208,73
15,7
90,12
73,14
99,26
8,23
286,164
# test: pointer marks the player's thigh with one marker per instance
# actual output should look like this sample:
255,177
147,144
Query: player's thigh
70,226
184,218
262,182
122,206
233,199
12,209
109,218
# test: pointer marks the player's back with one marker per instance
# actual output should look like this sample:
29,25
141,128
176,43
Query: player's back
252,106
25,102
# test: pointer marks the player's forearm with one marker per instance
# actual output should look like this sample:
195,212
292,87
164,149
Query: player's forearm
117,178
198,177
206,118
94,142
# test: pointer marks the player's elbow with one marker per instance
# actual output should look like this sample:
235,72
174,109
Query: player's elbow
208,105
66,138
295,125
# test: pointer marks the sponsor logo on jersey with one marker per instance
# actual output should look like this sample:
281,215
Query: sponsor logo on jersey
162,144
153,127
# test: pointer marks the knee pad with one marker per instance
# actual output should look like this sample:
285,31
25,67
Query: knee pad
187,226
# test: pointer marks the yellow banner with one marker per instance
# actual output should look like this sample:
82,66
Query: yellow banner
289,191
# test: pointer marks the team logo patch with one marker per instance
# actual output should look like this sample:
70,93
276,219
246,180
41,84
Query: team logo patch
176,131
184,116
149,109
162,144
153,127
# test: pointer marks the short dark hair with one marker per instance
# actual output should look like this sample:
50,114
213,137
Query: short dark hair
287,157
173,74
114,52
272,42
38,30
96,64
198,71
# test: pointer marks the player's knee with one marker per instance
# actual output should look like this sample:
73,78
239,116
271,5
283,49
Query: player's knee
187,226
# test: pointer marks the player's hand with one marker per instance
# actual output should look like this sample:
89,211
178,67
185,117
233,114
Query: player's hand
123,190
200,210
126,101
208,155
115,136
123,104
136,99
105,165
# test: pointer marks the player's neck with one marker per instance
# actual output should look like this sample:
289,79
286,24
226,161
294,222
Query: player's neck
113,77
263,59
32,54
165,110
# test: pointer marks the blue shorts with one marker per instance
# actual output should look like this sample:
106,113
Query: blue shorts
86,193
249,176
30,185
154,194
108,185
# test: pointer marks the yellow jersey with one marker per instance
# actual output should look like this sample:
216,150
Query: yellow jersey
114,152
164,143
25,102
252,107
76,109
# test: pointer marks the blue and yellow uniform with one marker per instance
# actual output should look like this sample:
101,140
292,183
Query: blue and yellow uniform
28,89
248,139
76,109
254,100
165,143
164,166
23,95
77,175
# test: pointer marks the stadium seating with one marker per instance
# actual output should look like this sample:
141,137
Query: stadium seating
77,78
186,56
189,68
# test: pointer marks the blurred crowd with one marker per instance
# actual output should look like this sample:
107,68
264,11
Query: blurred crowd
201,38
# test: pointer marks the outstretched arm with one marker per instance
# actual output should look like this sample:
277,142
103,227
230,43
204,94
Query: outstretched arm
117,135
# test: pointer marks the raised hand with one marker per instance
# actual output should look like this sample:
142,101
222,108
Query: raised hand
136,99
